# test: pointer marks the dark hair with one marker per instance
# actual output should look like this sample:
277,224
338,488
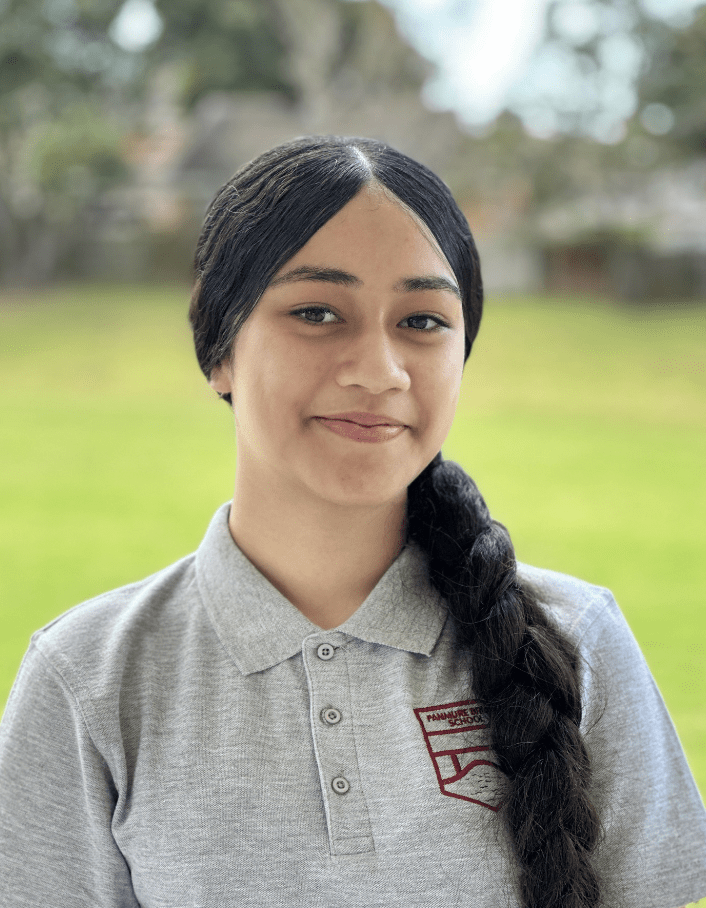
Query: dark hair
525,672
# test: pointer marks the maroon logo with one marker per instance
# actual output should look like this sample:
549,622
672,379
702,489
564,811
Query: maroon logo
454,733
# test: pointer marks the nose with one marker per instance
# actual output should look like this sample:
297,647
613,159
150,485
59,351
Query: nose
371,361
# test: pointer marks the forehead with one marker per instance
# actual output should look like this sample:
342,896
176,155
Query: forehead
374,229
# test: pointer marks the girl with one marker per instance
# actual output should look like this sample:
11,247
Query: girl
351,694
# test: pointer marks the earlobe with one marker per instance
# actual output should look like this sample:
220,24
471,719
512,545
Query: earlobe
220,381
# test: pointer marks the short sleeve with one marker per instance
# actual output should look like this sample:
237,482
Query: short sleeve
57,798
654,851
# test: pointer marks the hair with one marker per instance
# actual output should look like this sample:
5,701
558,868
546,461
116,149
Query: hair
524,671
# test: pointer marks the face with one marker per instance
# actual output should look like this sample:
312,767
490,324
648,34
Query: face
364,325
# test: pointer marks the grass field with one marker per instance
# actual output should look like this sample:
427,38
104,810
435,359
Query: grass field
583,423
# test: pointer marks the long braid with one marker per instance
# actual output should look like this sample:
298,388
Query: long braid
525,674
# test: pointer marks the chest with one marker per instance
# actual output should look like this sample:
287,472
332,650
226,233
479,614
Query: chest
348,769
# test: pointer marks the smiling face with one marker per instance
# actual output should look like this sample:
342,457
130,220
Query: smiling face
364,320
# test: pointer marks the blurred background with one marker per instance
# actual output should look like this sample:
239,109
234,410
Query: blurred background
572,133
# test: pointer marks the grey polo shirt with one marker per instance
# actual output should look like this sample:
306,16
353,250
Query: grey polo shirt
193,740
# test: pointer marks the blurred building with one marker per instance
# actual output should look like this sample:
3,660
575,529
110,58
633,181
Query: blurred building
647,242
644,242
149,228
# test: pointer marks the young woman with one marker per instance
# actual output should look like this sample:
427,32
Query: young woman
351,694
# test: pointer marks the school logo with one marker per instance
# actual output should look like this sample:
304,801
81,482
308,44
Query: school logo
454,734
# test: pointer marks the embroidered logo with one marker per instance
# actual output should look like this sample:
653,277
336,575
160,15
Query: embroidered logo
454,734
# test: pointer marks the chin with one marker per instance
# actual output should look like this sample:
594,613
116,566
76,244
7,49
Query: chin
364,493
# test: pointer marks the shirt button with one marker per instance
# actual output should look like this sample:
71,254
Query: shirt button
325,652
331,716
340,785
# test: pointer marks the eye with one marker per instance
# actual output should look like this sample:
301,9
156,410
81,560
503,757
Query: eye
417,322
315,315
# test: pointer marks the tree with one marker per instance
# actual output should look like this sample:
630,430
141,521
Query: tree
61,77
77,92
222,45
606,71
672,101
341,54
602,61
70,94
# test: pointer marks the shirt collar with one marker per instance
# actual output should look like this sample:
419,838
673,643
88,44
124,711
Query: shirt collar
260,628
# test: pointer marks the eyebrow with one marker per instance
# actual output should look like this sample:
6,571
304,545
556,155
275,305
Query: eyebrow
314,273
416,284
345,279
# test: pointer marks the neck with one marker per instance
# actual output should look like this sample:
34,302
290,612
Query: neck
323,557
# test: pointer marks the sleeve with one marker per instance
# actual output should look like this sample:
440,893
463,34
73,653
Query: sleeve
57,798
653,854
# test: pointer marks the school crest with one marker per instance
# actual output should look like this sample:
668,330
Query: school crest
456,741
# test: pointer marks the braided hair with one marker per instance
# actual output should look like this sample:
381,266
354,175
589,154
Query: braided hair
524,675
524,671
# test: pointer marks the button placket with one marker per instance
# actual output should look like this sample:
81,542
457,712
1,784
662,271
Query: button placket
334,744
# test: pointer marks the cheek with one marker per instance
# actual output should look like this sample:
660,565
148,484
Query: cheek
440,388
273,385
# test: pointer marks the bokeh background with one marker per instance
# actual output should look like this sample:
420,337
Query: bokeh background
573,134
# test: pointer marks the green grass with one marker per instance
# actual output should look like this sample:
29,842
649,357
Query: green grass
583,423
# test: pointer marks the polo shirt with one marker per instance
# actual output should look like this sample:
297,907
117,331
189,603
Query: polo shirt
194,740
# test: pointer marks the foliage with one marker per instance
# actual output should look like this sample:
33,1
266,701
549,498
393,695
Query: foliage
672,84
72,95
61,82
80,112
221,46
295,47
63,43
606,70
54,165
613,58
81,108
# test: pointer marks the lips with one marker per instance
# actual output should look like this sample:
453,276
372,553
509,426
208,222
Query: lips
364,419
364,427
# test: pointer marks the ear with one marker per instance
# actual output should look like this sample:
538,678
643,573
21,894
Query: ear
221,380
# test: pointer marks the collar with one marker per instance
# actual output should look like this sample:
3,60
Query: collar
259,627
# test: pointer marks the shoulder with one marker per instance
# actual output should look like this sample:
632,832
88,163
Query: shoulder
91,645
615,677
589,616
575,604
138,637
